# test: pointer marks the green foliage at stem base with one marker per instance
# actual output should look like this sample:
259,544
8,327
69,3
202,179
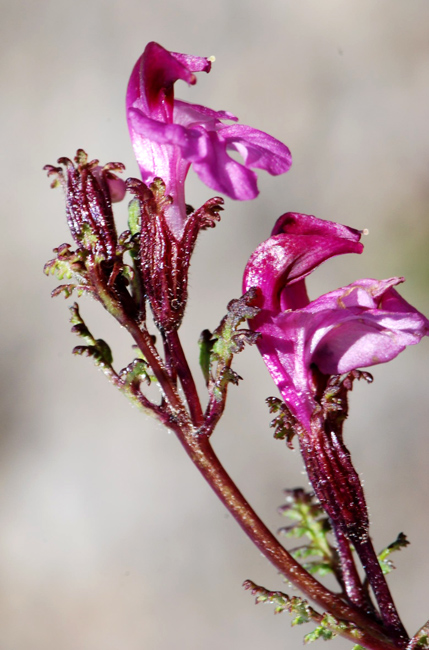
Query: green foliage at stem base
311,521
327,626
284,424
218,349
386,564
420,641
128,379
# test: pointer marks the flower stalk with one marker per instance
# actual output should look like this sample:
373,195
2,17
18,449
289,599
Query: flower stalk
313,349
371,634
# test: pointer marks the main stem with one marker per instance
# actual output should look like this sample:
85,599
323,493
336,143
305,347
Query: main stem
177,356
205,459
371,565
200,451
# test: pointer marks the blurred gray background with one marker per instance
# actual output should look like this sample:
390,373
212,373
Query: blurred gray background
109,539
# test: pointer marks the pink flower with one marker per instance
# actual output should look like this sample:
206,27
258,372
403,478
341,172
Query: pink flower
360,325
313,350
168,135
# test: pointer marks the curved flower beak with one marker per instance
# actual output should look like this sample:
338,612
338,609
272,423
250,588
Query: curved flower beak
298,244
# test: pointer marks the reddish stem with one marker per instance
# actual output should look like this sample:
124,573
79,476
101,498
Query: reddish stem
350,577
145,344
200,451
178,359
371,565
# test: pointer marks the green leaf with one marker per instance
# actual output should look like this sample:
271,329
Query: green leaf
217,352
134,217
386,564
282,602
68,264
327,625
284,424
135,373
329,628
205,343
95,348
311,522
129,379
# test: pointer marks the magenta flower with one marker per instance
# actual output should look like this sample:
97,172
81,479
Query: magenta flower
357,326
313,350
169,135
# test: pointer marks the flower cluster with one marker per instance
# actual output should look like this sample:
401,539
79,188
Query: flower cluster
168,135
314,350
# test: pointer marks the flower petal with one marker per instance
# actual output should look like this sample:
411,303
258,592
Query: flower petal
223,174
190,141
363,324
283,348
188,114
257,148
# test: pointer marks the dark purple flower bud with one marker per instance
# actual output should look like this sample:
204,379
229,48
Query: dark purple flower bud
164,258
89,191
97,264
